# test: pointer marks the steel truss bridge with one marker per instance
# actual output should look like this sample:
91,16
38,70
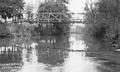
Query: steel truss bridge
47,17
56,17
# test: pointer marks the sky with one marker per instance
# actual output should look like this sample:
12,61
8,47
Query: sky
74,5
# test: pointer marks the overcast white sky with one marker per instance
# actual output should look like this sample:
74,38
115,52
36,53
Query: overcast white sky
74,6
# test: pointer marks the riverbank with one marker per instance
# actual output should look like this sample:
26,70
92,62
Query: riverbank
9,30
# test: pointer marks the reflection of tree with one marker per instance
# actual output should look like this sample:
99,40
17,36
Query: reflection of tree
50,53
51,56
10,55
61,42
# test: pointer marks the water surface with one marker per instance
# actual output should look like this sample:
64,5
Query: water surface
55,54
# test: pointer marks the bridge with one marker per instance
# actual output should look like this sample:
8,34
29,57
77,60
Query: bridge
59,17
55,17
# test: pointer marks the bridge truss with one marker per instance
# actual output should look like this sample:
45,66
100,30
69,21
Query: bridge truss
47,17
56,17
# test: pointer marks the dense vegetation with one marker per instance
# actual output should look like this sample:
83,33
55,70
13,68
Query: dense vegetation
53,28
11,8
102,22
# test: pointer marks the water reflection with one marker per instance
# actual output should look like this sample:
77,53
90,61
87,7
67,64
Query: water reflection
55,54
77,61
52,53
10,58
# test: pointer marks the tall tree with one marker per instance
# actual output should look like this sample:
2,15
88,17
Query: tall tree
57,6
10,8
104,19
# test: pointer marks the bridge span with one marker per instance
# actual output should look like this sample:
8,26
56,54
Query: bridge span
56,17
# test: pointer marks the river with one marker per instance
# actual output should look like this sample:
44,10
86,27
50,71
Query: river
55,54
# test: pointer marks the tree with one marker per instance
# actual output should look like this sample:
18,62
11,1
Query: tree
29,12
63,1
104,21
58,1
58,6
10,8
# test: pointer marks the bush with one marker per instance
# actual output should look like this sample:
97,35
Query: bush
21,30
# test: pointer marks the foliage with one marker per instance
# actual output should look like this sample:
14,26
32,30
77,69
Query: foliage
54,6
102,22
21,30
63,1
29,12
3,28
10,8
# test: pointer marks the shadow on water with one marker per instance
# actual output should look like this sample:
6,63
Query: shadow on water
54,54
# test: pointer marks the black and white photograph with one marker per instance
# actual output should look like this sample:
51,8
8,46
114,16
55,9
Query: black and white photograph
59,35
